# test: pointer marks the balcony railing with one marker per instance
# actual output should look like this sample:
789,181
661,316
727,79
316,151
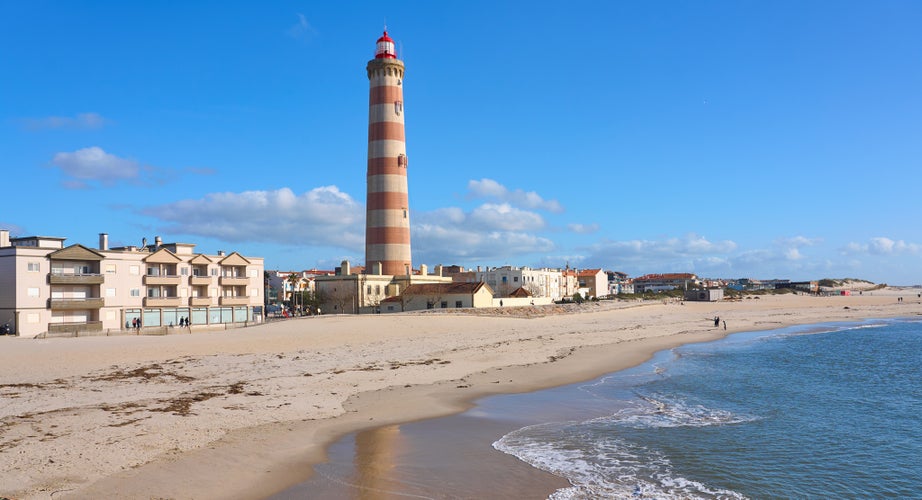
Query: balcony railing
163,279
200,301
76,304
234,301
75,279
162,301
86,326
232,281
200,280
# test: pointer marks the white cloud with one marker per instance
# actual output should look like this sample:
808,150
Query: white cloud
583,228
301,29
446,244
490,232
80,121
94,164
506,218
883,246
689,253
490,189
323,216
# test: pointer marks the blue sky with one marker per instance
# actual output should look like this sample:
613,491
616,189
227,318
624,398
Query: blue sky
726,138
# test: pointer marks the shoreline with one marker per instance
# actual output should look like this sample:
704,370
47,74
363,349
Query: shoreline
431,376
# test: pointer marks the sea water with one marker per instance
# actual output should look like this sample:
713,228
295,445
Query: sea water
821,411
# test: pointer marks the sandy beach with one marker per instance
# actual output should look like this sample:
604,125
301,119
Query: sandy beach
244,413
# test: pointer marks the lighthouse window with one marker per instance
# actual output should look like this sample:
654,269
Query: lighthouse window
398,107
404,213
402,160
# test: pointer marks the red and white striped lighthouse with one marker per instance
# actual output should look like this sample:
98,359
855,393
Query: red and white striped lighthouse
387,223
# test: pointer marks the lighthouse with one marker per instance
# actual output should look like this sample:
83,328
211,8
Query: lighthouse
387,222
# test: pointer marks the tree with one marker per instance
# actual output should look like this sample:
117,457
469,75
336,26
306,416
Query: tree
341,296
533,288
295,281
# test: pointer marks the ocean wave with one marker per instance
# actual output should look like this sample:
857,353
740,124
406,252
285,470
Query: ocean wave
599,465
662,411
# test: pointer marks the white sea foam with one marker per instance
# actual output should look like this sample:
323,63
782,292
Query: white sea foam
660,410
601,465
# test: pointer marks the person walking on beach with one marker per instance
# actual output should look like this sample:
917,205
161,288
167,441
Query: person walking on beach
716,321
725,324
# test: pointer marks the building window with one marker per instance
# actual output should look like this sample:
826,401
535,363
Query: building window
369,290
134,270
184,271
214,271
32,292
398,107
402,160
377,289
135,292
444,304
515,278
458,304
35,267
110,292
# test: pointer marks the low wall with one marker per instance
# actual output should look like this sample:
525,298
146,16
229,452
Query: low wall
522,301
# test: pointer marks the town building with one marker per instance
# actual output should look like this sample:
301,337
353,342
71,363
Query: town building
506,280
351,292
47,287
289,287
593,283
664,282
704,294
454,295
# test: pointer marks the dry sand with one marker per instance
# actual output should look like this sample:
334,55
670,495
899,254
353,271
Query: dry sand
243,413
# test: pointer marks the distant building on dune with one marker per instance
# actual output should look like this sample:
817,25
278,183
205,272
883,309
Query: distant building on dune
704,294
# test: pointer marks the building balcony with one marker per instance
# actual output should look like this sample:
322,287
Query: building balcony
200,301
200,280
162,280
75,279
234,301
229,281
76,304
162,302
86,326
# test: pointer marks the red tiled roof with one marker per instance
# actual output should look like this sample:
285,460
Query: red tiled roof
454,287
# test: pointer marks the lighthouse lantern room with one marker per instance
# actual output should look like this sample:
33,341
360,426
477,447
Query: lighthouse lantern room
385,49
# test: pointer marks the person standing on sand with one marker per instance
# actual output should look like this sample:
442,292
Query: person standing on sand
725,324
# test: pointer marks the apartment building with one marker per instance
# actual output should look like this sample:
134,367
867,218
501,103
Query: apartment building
46,286
507,279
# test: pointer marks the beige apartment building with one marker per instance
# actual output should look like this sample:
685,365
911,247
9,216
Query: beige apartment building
47,287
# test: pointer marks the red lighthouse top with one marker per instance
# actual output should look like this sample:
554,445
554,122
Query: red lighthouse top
385,48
